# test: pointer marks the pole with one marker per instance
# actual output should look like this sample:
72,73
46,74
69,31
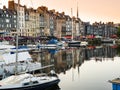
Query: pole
18,8
72,23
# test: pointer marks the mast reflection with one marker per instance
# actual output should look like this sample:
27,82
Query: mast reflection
64,60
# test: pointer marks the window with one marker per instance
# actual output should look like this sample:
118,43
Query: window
14,16
14,21
25,84
4,11
7,25
6,15
0,15
10,25
2,25
35,82
7,20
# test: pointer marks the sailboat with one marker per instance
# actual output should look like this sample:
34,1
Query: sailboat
73,42
25,63
27,81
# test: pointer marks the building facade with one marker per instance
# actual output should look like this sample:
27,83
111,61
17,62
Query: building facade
43,22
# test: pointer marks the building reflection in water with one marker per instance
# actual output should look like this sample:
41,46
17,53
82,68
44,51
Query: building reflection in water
64,60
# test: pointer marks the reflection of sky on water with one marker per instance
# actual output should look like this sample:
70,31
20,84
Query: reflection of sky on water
84,68
92,75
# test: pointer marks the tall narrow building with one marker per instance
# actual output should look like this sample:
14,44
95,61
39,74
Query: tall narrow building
21,24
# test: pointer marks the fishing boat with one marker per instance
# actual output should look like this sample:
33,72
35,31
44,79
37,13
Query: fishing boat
27,81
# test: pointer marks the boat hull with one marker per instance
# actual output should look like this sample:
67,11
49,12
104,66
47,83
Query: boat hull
36,87
74,43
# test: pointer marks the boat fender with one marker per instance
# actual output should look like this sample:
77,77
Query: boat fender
52,73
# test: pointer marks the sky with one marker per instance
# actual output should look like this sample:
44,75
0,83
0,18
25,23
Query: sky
89,10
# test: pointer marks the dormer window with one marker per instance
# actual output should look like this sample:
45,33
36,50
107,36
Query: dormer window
4,11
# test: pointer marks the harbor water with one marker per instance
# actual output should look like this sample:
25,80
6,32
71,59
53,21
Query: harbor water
87,68
81,68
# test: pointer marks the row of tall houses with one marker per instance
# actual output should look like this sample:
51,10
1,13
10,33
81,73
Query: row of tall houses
101,29
43,22
37,22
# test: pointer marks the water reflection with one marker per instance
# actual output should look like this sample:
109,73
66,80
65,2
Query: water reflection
71,57
82,68
55,87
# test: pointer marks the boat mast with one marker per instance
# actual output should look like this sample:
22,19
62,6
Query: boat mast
72,23
77,11
18,8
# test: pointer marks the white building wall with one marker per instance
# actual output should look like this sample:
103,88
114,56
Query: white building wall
77,29
21,21
32,26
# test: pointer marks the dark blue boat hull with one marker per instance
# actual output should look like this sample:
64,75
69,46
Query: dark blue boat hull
37,87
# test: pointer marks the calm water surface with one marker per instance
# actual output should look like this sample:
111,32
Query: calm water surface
86,68
91,75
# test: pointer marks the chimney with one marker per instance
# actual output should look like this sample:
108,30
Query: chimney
63,13
11,5
4,7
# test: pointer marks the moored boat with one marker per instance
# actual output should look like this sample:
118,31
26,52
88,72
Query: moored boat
29,82
74,43
115,83
83,43
24,63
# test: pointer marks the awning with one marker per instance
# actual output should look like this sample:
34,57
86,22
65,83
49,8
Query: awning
68,37
90,36
113,36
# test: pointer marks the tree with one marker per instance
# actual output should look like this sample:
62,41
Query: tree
118,32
